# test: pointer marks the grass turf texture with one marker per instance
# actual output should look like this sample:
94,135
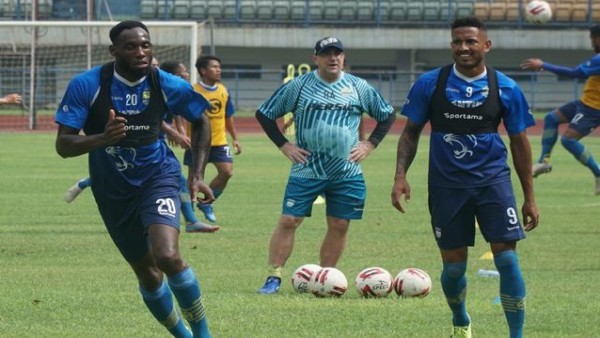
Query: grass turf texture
63,277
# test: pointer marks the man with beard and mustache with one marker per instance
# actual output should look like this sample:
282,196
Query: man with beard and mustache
134,174
583,115
469,177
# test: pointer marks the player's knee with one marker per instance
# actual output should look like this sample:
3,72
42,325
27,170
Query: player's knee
168,260
551,120
290,222
455,270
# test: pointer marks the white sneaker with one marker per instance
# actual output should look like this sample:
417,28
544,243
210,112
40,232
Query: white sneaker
541,168
72,193
598,185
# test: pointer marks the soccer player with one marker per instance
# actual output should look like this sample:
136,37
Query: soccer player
583,115
221,122
327,104
469,177
135,175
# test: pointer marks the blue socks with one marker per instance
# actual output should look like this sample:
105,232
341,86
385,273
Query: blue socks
186,289
583,155
160,304
550,135
512,291
454,285
187,209
84,183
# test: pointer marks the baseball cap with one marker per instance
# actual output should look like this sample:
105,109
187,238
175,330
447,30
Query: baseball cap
328,42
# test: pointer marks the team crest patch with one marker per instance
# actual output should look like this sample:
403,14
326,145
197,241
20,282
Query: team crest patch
346,91
146,96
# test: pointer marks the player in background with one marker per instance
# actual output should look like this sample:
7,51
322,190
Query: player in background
327,104
469,177
135,175
13,98
582,115
221,122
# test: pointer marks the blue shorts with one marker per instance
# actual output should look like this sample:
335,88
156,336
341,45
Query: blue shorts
218,154
453,213
128,216
344,198
581,118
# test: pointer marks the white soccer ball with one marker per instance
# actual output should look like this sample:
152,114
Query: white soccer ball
302,275
412,282
538,11
374,282
328,282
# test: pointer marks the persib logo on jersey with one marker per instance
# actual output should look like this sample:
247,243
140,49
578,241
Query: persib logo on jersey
146,97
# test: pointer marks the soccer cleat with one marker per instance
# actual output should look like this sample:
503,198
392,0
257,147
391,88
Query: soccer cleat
461,331
272,285
541,168
201,227
72,193
208,212
598,185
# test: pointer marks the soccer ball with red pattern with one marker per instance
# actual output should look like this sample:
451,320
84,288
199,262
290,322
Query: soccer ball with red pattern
412,282
374,282
302,275
538,11
328,282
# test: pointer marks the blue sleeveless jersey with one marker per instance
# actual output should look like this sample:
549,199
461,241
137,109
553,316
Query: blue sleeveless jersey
129,165
326,116
459,160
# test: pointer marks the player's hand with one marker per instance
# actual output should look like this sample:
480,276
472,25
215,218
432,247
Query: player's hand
531,216
532,64
12,99
361,151
294,153
183,141
114,131
199,190
237,147
401,189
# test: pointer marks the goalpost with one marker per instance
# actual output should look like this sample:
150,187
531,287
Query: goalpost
38,58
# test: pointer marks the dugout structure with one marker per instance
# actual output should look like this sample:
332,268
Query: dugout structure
38,58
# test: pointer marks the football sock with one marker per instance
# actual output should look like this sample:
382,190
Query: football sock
581,153
186,289
84,183
217,192
512,291
160,304
454,285
274,271
187,209
549,136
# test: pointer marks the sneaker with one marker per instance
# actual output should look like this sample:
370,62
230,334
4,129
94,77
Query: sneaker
201,227
72,193
272,285
598,185
461,331
208,212
541,168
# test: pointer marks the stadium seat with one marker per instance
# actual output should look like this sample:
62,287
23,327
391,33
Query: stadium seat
431,11
230,10
198,9
281,10
481,10
562,12
315,10
497,11
579,12
247,10
331,10
348,10
44,9
165,9
381,11
181,9
464,8
513,11
214,9
298,10
414,11
365,11
264,9
448,11
397,11
147,9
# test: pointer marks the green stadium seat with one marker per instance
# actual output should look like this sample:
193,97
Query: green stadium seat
198,9
298,10
365,11
247,9
214,9
348,10
431,11
331,10
230,9
264,9
397,11
414,11
281,10
148,9
464,8
165,10
315,10
181,9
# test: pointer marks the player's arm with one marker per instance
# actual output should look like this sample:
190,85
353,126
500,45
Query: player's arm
405,154
520,149
69,143
200,149
538,64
